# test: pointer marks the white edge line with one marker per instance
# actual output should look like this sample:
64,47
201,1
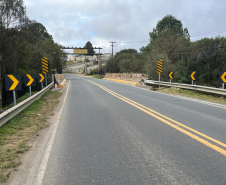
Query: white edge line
195,100
188,98
43,165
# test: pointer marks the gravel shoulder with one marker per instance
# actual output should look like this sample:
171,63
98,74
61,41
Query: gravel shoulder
30,160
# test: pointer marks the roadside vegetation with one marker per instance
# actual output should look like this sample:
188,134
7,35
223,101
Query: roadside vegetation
15,134
171,42
23,43
96,76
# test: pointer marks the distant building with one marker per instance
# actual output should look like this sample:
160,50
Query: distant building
79,57
105,57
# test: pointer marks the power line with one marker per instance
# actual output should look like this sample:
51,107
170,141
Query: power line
133,41
208,32
106,49
218,29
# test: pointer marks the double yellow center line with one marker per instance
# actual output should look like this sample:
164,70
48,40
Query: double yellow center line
172,123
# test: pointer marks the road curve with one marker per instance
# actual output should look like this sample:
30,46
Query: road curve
112,133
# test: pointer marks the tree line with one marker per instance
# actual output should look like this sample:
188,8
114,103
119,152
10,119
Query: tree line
23,42
171,42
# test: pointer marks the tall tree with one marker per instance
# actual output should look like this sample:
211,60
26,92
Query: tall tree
167,40
12,14
168,24
90,48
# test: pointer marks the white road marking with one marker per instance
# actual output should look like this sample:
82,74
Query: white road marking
181,97
43,165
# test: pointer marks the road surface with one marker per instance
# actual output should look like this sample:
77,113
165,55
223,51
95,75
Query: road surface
112,133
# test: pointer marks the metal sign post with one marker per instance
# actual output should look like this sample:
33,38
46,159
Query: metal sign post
159,78
192,82
30,90
42,85
14,97
46,80
170,81
223,88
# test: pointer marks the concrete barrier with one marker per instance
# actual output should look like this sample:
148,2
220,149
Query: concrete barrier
60,79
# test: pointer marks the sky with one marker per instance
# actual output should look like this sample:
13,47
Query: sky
126,22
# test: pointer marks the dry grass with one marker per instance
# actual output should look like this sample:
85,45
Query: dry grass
15,134
193,94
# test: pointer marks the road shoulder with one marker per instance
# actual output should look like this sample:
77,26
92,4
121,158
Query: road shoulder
31,160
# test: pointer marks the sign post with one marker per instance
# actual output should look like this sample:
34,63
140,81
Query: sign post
13,83
46,80
14,97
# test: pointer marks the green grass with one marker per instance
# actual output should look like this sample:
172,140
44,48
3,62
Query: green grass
22,98
20,129
96,76
193,94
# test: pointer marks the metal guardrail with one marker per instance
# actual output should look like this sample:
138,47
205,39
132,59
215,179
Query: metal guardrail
188,86
10,113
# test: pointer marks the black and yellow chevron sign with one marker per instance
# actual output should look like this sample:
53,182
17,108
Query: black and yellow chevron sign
45,66
13,82
222,77
171,75
159,66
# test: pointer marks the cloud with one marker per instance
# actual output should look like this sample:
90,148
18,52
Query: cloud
73,23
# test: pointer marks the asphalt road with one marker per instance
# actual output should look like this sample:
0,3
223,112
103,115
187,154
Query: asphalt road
111,133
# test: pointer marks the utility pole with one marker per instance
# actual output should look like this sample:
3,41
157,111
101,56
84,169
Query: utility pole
112,45
99,62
